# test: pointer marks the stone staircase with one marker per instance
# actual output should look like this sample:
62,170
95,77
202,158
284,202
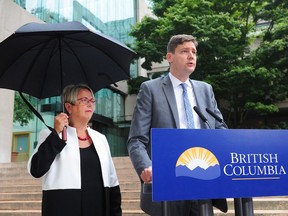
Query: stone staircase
20,194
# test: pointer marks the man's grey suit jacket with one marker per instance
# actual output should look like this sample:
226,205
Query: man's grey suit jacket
156,108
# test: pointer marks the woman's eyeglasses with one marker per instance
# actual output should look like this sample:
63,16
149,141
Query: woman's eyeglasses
86,101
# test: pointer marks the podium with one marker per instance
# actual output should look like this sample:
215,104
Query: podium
201,164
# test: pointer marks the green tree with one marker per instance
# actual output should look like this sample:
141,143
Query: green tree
135,83
22,113
225,29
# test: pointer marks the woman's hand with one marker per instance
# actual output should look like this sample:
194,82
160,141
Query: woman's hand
60,121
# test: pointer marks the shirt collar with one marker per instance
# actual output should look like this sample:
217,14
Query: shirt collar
176,82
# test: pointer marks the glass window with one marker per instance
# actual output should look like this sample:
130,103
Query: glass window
110,104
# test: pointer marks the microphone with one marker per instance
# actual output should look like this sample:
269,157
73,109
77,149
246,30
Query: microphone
217,117
214,115
203,118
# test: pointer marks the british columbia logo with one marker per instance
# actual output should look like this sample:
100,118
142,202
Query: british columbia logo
199,163
254,166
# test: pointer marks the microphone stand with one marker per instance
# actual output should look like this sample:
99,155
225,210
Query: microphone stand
242,206
147,189
205,206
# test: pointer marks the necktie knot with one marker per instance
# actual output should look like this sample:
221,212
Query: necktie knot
188,108
184,87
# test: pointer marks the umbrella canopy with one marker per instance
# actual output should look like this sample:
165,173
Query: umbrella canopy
41,59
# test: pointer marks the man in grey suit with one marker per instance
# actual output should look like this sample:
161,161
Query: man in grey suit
160,104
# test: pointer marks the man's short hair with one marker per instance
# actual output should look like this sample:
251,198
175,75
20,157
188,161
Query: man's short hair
179,39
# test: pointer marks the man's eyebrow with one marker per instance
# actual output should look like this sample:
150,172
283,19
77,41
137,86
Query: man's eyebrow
188,48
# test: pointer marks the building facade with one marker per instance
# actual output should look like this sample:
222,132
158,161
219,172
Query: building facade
11,18
114,106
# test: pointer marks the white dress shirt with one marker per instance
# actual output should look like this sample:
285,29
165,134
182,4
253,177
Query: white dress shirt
178,91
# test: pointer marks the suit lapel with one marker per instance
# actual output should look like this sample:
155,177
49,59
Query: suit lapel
199,93
170,97
199,97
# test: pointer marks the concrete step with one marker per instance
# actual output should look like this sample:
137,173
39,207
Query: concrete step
262,204
38,213
266,203
125,186
20,188
20,196
20,212
37,195
141,213
256,213
36,204
20,181
20,205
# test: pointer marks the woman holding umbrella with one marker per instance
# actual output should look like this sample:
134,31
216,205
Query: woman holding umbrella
78,176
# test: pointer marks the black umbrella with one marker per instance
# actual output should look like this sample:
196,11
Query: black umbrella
41,59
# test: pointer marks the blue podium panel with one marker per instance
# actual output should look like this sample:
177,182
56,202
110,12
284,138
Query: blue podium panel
202,164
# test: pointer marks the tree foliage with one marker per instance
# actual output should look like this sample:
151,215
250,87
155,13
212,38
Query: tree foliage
135,83
250,78
22,113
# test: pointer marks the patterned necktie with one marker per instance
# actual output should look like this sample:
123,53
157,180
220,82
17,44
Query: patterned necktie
188,108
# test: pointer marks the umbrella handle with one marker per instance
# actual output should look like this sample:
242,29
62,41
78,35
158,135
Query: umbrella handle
64,134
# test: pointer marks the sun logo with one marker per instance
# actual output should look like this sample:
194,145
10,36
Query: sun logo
199,163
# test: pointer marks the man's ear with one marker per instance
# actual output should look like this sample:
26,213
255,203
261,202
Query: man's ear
169,57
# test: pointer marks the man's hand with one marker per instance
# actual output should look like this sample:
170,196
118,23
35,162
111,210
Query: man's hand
146,175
